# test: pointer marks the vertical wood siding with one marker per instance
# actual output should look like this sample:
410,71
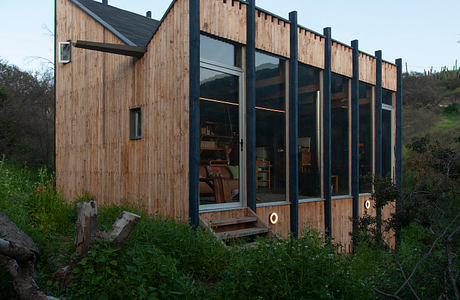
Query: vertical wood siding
311,48
94,94
272,34
389,74
367,68
342,60
225,19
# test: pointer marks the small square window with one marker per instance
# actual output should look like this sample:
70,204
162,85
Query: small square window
64,52
135,123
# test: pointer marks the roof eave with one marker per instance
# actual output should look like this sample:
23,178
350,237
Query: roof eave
123,38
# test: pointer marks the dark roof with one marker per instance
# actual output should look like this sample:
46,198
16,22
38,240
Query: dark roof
131,28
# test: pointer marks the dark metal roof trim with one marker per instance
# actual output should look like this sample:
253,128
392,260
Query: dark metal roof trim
103,23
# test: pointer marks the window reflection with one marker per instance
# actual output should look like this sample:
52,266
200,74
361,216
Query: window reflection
339,135
365,137
270,128
309,133
219,122
387,139
219,51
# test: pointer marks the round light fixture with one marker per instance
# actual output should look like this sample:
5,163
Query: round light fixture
274,218
367,204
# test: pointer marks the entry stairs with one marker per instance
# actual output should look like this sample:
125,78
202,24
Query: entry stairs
243,225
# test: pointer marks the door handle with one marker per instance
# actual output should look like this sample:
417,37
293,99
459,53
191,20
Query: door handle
241,145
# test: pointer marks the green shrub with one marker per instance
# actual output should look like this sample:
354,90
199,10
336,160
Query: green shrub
132,272
307,268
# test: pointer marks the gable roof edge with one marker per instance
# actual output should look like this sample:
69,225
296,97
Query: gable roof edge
161,20
103,23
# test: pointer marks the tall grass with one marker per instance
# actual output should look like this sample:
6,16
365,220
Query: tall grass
166,259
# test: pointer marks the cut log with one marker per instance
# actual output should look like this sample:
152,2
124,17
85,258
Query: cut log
122,228
18,253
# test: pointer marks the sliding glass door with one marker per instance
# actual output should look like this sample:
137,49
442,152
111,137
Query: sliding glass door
221,134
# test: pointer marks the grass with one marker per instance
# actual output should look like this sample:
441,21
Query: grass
166,259
449,121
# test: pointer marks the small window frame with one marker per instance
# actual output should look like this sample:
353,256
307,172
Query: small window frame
135,123
62,52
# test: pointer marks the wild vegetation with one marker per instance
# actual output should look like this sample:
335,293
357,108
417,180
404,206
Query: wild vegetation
167,259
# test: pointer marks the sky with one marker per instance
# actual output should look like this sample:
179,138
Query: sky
424,33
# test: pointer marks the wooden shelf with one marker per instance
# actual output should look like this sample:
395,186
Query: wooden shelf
211,149
217,136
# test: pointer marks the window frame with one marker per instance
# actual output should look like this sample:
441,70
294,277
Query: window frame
135,124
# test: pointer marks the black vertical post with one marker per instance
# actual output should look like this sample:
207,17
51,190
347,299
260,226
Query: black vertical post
327,172
293,126
250,105
398,142
194,156
355,132
55,67
378,126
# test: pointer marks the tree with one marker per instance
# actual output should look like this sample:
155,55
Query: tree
26,115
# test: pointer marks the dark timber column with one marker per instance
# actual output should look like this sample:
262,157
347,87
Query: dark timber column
55,67
194,172
251,104
398,142
355,132
378,126
327,131
293,127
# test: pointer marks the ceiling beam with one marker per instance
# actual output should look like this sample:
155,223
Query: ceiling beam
133,51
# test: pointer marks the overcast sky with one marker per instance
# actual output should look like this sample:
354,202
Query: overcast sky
424,33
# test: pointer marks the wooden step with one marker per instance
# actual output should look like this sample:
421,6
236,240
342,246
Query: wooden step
232,221
242,232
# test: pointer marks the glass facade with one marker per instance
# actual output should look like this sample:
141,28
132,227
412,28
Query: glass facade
309,151
339,135
270,128
387,134
222,123
219,122
365,137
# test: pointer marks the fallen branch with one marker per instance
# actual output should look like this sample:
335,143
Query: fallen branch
18,253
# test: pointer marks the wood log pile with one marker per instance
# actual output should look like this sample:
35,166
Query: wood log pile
18,252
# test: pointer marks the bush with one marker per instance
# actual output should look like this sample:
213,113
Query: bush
307,268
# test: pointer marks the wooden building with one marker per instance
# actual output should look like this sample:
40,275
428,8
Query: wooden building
222,111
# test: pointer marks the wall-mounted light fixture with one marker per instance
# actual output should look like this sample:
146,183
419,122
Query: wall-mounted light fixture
367,204
273,218
64,52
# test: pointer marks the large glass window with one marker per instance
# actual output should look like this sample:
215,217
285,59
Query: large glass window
365,137
270,128
309,133
219,122
387,133
339,135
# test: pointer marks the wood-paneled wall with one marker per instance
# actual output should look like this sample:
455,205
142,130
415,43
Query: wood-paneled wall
94,94
226,19
283,226
389,76
311,48
342,60
367,68
272,34
311,214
